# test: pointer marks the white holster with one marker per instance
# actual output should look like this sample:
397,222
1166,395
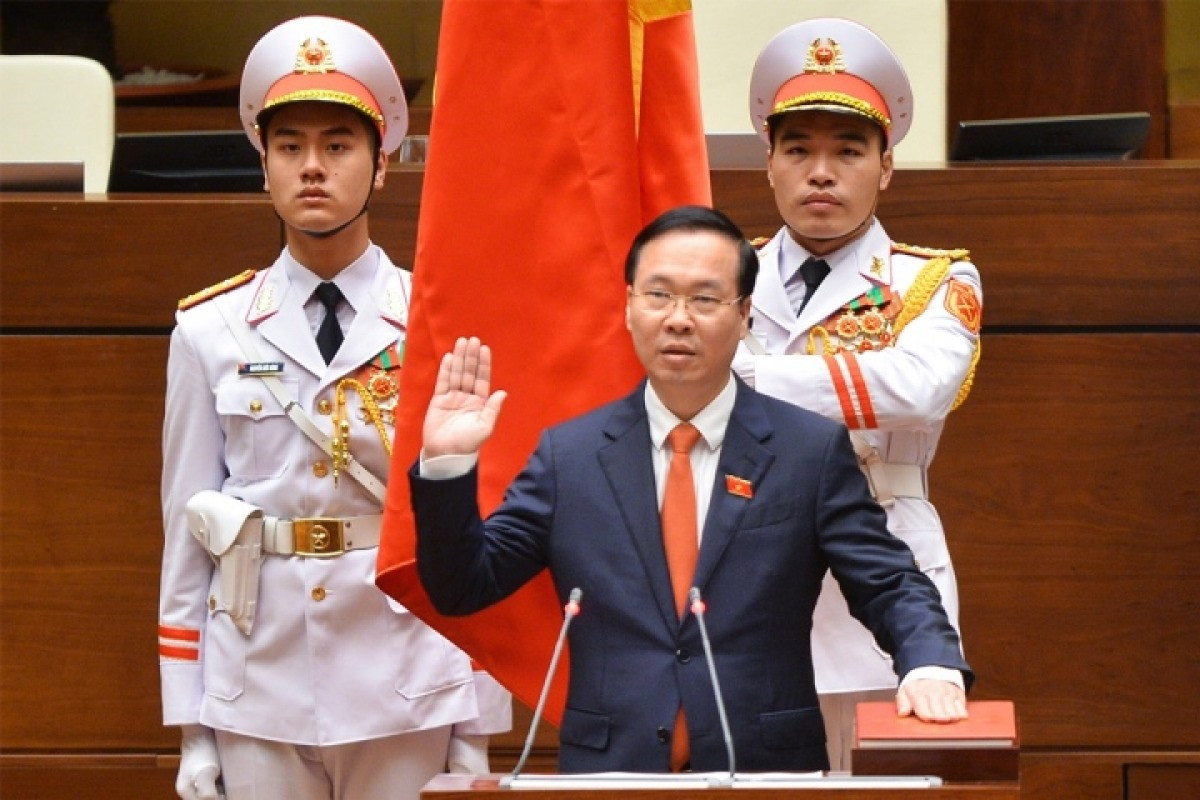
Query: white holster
231,530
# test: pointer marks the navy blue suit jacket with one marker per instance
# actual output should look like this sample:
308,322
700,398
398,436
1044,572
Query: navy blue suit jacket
585,506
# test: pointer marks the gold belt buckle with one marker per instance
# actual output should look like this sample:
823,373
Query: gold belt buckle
318,537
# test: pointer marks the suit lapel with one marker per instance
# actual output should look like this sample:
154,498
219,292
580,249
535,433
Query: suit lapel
742,456
627,465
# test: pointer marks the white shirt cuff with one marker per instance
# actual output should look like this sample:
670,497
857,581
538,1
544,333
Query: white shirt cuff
443,468
934,673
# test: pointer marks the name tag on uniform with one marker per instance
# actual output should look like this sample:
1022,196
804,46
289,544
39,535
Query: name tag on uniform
259,368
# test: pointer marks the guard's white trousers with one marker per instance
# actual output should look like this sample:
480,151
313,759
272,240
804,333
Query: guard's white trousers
391,768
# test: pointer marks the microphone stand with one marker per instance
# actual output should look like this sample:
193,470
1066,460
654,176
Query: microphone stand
698,609
570,611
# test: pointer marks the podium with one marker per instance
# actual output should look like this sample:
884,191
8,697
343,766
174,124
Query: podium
895,758
487,787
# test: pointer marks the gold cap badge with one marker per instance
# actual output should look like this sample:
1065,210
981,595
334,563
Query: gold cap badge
824,57
314,55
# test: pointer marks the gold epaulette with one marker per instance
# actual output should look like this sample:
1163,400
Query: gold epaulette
216,289
930,252
759,241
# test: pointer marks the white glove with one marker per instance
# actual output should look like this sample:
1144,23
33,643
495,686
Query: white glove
468,754
198,764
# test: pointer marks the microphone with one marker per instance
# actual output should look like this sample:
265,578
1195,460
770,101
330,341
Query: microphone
698,609
570,611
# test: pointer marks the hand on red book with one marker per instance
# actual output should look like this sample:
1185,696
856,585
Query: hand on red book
932,701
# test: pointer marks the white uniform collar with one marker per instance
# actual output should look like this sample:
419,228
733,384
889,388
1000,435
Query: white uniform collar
854,269
355,281
856,256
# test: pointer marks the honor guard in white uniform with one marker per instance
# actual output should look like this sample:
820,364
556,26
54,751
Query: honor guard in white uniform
881,336
291,675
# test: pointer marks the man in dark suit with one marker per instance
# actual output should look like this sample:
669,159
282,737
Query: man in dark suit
779,498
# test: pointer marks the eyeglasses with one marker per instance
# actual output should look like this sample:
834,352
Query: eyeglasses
700,305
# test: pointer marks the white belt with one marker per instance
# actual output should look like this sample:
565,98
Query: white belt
320,537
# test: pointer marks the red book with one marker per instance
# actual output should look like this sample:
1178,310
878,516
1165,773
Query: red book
991,723
982,747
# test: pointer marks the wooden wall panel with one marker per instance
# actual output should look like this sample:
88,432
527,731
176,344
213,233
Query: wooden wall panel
1063,483
1154,781
80,422
143,776
1108,775
1033,58
1185,130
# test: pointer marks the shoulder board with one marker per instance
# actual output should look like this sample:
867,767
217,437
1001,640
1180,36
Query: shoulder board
930,252
216,289
759,241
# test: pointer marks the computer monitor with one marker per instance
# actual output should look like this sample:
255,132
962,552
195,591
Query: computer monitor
1085,137
185,161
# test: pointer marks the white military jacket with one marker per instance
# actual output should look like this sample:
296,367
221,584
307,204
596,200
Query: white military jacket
330,659
856,354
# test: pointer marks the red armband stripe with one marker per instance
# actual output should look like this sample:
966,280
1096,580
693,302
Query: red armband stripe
183,634
843,392
860,390
181,653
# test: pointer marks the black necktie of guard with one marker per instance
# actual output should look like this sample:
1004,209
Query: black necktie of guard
329,335
813,271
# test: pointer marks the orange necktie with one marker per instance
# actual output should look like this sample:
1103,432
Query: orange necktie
681,540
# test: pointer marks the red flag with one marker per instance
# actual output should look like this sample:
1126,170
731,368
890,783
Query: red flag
560,127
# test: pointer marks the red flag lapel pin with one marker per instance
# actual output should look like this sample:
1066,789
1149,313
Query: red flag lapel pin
739,486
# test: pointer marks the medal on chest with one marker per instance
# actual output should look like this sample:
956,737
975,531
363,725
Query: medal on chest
377,384
865,323
381,377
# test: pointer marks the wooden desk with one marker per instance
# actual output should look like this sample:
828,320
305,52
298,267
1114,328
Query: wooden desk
87,263
1123,237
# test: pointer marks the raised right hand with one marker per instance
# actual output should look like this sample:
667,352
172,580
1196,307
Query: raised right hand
462,414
